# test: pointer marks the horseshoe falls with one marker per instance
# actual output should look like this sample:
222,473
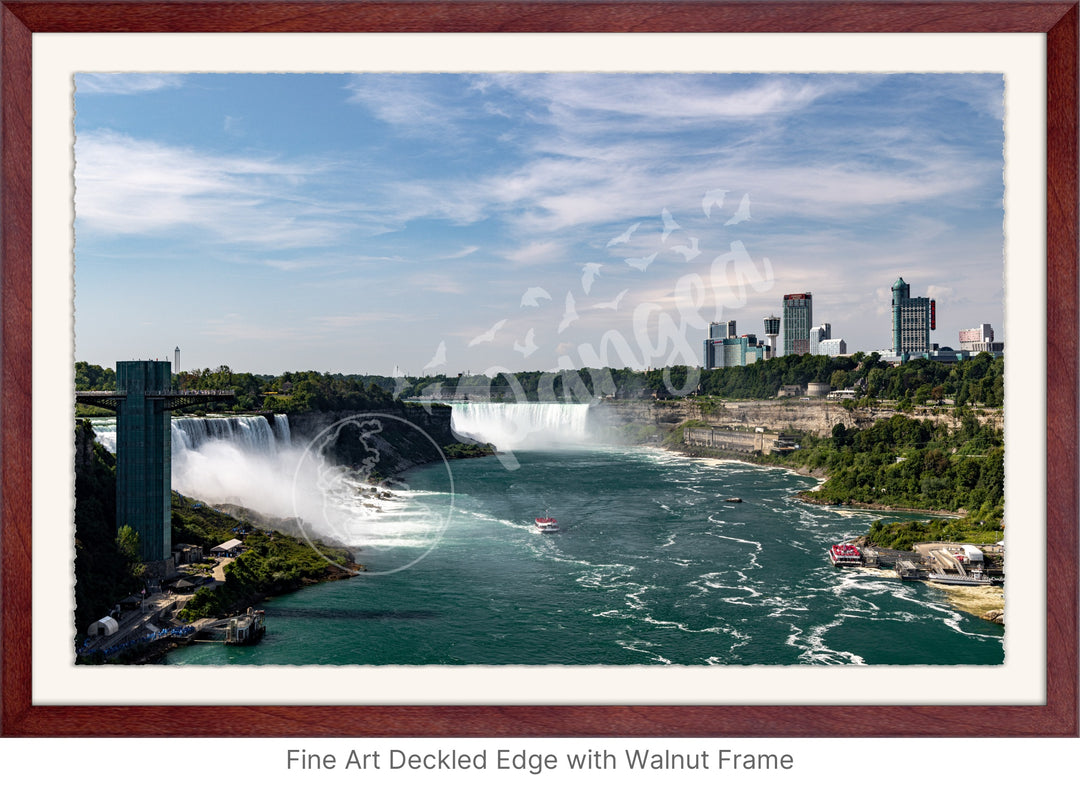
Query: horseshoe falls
652,566
516,426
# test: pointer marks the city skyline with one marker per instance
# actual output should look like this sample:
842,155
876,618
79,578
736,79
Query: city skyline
445,223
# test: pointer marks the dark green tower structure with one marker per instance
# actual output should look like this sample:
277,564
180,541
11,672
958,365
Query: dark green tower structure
144,455
143,402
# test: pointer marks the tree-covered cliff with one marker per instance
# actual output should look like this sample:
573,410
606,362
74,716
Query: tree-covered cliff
911,464
105,569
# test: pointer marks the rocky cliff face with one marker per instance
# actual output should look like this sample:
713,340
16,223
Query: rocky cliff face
382,443
817,417
84,447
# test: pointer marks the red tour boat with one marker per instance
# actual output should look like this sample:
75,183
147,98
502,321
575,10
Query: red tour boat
845,555
547,524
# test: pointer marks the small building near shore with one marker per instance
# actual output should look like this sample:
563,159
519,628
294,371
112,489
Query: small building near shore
229,549
843,393
974,556
105,626
187,554
130,603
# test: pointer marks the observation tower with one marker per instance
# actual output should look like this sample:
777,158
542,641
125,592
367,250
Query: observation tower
772,330
143,403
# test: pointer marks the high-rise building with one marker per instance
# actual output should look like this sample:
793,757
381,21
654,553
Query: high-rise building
176,364
832,347
772,330
798,319
722,329
980,339
817,335
912,320
981,334
728,352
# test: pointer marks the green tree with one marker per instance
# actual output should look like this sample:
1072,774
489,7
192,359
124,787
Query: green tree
127,542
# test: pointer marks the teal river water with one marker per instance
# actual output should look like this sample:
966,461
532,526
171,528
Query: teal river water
652,566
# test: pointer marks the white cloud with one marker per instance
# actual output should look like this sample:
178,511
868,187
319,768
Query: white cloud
125,186
662,99
410,103
125,82
536,253
466,251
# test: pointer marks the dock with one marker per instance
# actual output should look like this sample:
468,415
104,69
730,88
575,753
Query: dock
946,563
242,630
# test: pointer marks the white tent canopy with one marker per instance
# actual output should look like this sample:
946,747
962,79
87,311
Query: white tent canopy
974,554
105,626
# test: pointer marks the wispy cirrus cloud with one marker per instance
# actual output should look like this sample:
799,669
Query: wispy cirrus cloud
665,98
126,83
127,186
416,105
466,251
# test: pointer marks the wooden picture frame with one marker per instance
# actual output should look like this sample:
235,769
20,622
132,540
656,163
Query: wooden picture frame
20,716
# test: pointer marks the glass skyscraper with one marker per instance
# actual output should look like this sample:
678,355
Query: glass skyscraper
912,320
798,319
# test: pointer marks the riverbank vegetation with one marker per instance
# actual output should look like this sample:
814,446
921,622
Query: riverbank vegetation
105,571
904,535
979,380
911,464
272,562
931,469
468,450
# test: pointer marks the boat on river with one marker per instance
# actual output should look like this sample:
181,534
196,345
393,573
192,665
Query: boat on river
845,555
962,580
547,525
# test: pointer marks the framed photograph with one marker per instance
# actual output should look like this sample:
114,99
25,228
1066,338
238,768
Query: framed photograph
111,93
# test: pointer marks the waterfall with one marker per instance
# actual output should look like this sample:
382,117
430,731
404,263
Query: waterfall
251,432
105,432
516,426
281,429
239,459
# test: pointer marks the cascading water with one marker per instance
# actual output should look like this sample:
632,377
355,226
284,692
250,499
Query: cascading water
519,426
252,432
240,460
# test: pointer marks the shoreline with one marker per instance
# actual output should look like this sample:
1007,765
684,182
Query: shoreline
878,507
802,470
982,604
155,652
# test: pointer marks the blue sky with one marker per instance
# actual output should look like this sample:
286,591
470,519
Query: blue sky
442,223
